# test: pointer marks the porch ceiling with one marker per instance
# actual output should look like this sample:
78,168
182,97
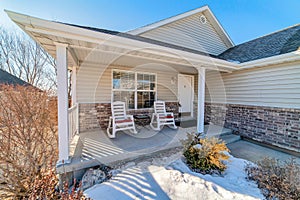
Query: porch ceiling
90,47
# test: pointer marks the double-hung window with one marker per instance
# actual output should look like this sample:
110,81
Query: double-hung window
136,89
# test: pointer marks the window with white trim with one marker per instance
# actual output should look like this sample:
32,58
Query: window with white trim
136,89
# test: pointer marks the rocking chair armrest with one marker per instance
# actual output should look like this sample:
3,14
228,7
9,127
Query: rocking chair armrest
165,115
129,116
169,113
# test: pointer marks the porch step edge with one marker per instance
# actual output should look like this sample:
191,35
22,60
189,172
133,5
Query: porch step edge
228,139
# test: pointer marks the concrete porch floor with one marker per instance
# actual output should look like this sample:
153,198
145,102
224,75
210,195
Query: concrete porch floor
94,147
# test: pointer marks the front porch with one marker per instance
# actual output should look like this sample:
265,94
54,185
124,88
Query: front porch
108,66
92,148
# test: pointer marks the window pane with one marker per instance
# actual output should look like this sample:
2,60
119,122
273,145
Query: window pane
127,80
145,99
123,80
116,80
144,81
146,85
140,78
152,78
152,86
125,96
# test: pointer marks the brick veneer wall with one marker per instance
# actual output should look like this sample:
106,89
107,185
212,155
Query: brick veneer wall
276,126
96,115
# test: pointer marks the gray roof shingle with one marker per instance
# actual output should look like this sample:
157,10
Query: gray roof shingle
280,42
9,79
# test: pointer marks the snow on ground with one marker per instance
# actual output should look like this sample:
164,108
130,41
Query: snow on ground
165,179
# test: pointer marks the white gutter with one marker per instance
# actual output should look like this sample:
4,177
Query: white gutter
283,58
32,24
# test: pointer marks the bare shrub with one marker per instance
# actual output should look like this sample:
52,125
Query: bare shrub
205,155
45,187
275,179
28,138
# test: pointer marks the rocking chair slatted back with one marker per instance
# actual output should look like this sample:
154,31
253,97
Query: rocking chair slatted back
159,107
118,110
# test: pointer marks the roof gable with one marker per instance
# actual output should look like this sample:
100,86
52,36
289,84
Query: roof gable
277,43
9,79
187,30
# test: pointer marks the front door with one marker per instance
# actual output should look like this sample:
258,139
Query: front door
185,93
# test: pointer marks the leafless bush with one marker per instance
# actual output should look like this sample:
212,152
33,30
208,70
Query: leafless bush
28,138
45,187
276,180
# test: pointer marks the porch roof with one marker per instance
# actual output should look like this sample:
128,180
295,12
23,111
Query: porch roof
93,46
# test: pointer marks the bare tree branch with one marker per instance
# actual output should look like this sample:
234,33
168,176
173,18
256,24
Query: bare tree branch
24,58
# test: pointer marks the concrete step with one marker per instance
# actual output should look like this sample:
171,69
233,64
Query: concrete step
231,138
215,131
221,132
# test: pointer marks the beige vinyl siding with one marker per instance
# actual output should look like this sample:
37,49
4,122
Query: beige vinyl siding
275,86
191,33
94,83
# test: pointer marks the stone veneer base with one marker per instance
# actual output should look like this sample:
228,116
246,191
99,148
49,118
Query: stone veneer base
275,126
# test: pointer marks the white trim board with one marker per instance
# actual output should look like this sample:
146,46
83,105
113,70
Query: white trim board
169,20
193,92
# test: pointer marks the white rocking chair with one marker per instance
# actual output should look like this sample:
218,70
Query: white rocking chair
160,117
119,121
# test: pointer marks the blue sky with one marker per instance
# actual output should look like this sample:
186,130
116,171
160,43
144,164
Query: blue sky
242,19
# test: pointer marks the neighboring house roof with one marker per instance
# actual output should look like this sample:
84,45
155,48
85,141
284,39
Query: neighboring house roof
277,43
217,26
9,79
140,38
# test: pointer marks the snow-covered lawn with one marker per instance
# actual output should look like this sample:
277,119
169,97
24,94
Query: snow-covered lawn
154,180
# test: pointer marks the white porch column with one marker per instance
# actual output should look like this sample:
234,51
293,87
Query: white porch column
62,94
201,99
73,89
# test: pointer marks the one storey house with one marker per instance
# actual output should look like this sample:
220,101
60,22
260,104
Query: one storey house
188,61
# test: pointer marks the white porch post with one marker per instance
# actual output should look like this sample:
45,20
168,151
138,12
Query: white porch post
62,94
74,75
201,99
